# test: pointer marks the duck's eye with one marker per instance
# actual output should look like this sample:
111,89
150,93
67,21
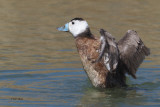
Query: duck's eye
72,23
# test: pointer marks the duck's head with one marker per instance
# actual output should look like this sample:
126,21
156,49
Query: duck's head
77,27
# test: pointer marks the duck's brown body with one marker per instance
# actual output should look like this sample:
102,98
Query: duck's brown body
98,74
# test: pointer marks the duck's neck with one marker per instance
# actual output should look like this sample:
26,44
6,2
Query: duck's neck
86,34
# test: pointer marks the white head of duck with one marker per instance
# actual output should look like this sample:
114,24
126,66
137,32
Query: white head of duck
76,27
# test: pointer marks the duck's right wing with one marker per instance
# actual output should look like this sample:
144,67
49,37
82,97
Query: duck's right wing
132,51
108,51
104,45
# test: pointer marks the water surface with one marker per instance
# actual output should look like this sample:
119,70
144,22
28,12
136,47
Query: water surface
40,66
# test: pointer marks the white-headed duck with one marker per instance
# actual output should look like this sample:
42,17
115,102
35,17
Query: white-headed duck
106,61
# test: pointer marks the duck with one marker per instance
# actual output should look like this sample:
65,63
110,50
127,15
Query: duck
105,60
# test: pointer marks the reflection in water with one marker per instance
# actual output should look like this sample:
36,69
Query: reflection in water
120,97
109,97
39,66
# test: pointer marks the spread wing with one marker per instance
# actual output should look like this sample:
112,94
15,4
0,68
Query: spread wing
108,51
132,51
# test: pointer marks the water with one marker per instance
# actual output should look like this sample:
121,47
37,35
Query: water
40,66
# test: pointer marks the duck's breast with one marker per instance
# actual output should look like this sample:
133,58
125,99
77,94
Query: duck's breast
89,51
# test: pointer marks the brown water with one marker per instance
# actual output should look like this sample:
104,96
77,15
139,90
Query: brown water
40,66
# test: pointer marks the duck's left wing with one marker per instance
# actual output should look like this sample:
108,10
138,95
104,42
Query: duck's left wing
132,51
